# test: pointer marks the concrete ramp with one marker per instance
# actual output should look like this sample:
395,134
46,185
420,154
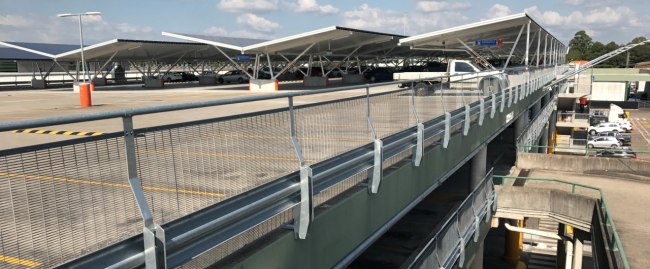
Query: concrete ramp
561,206
581,164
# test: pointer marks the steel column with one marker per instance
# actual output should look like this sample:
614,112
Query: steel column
103,66
513,47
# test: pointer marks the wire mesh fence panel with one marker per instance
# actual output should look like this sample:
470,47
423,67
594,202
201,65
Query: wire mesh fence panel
62,202
392,112
429,104
191,167
447,239
326,130
431,261
466,215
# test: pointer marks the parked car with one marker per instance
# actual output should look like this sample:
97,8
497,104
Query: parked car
604,127
604,142
233,76
315,72
265,73
188,76
338,73
427,67
626,126
379,74
171,76
624,139
617,153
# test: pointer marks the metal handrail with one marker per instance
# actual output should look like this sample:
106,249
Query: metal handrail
222,220
129,112
587,150
615,240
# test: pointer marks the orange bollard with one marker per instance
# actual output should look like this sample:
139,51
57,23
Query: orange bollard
92,86
84,95
277,85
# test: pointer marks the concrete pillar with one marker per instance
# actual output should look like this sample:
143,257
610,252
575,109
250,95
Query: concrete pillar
569,254
519,126
511,252
543,142
577,251
478,258
561,248
477,168
536,108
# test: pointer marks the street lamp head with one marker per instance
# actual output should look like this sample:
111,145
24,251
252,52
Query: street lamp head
92,13
65,15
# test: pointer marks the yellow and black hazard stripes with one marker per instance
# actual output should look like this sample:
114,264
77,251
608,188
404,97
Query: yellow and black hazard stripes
50,132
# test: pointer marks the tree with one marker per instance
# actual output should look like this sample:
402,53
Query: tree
616,61
581,43
639,53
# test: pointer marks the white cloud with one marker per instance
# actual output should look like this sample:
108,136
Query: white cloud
252,6
591,3
257,23
621,22
378,19
311,6
498,11
440,6
219,31
51,29
213,30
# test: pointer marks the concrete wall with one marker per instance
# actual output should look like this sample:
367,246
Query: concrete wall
581,164
263,85
153,83
39,84
207,80
531,202
315,81
340,227
100,81
608,91
353,79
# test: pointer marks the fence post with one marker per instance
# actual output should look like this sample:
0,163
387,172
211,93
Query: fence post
153,234
303,212
376,172
419,149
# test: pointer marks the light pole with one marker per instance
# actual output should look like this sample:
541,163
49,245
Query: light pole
81,38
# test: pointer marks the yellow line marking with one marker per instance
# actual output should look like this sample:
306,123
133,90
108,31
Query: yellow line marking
227,155
82,133
96,134
90,182
67,133
53,132
28,263
40,131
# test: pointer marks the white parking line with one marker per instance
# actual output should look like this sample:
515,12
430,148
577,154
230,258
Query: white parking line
643,131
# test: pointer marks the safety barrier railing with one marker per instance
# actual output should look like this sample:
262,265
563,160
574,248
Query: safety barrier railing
447,247
198,184
582,150
612,237
531,133
578,142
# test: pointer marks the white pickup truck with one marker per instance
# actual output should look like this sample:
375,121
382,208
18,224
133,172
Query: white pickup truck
469,76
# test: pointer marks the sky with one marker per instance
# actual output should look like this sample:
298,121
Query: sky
36,21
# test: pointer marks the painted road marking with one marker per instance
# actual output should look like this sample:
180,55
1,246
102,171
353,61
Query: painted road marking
28,263
54,132
120,185
260,157
643,131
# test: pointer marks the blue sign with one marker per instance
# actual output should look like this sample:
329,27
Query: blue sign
593,78
486,42
243,58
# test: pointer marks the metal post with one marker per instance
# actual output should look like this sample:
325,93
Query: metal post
154,235
513,47
376,172
103,66
545,51
539,41
83,62
419,147
268,58
303,212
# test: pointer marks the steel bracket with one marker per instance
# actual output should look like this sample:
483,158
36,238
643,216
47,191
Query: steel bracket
467,122
155,255
523,92
481,116
461,250
419,147
493,109
303,213
516,97
377,171
477,230
445,138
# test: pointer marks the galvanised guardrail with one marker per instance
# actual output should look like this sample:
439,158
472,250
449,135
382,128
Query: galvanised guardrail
447,247
198,184
613,240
